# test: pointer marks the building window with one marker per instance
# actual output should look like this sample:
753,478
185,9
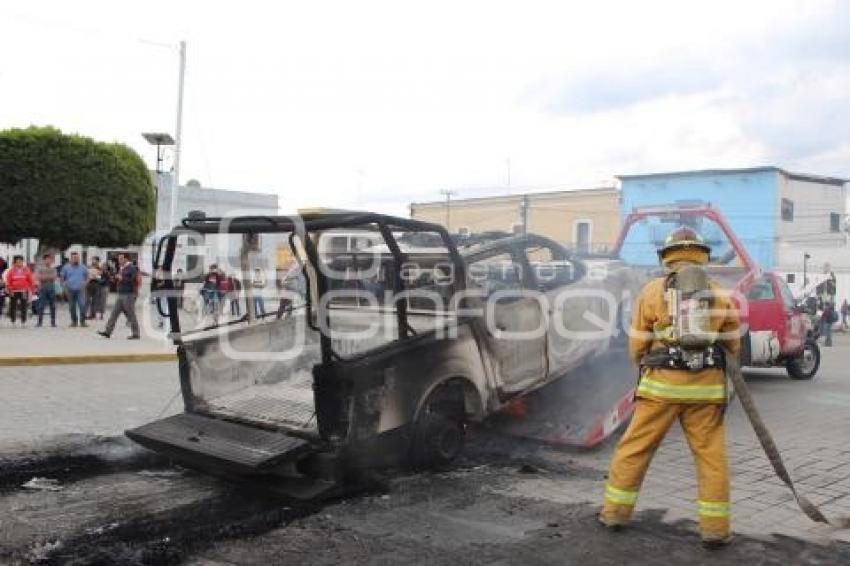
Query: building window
834,222
787,210
582,236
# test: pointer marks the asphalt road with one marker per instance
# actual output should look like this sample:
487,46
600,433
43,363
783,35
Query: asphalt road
509,500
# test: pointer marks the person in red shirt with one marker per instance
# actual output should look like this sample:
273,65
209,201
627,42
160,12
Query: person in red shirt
20,287
226,293
2,285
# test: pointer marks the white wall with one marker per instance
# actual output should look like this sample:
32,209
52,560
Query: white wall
214,202
823,260
27,248
842,283
813,203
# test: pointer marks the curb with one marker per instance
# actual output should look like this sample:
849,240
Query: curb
74,359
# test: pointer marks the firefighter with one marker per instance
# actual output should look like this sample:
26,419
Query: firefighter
683,326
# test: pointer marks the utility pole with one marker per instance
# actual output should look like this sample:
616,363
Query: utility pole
524,214
508,166
806,258
448,194
178,129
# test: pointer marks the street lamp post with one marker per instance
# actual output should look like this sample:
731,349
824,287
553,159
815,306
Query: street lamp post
159,139
448,194
178,129
806,258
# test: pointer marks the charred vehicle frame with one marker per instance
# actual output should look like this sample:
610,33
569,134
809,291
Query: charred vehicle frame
406,400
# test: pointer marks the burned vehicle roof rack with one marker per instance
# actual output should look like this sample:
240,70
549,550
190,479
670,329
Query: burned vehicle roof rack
313,221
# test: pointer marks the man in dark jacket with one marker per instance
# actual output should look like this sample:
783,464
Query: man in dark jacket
126,300
827,319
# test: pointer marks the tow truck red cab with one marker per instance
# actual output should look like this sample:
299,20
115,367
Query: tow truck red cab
778,330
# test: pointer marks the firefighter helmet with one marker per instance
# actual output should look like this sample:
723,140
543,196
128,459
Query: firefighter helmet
683,238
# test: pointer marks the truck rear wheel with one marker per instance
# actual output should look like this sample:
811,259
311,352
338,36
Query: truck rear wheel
438,440
439,432
806,365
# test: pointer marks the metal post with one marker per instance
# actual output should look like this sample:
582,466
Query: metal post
248,244
448,194
156,189
178,129
806,257
524,212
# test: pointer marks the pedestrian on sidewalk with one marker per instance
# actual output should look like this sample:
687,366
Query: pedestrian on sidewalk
827,318
2,286
95,299
258,283
75,276
128,290
845,312
209,292
20,287
291,286
34,302
106,276
227,294
46,276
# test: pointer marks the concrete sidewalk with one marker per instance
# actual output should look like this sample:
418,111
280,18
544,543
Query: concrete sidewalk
30,345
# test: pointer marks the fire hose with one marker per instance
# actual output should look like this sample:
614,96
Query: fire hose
733,372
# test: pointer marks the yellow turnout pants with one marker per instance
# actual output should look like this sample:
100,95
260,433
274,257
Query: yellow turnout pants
706,434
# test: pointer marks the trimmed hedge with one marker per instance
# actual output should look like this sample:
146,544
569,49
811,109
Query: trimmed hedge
66,189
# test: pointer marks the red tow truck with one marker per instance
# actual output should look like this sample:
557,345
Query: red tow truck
779,332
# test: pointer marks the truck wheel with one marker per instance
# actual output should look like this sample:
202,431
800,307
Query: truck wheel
437,440
806,365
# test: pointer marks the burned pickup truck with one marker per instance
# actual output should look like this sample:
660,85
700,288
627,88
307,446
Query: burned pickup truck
389,350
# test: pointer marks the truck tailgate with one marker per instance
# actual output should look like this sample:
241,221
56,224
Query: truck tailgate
191,437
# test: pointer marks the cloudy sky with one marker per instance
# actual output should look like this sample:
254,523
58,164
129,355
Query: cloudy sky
376,104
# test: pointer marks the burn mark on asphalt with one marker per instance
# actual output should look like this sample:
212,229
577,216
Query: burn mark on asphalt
170,537
71,466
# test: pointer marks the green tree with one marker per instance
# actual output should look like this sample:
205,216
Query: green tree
65,189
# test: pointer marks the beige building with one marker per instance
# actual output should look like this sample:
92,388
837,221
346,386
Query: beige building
587,220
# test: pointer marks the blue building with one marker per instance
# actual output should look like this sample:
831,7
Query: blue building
777,214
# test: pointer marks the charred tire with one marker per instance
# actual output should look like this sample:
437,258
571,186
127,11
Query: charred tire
806,365
437,441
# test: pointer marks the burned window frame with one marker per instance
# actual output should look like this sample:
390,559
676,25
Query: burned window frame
304,228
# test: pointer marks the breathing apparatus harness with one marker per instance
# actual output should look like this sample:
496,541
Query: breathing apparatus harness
688,342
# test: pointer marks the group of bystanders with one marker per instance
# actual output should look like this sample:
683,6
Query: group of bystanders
38,288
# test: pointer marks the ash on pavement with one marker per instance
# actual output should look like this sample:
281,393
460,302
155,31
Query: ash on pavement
124,506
